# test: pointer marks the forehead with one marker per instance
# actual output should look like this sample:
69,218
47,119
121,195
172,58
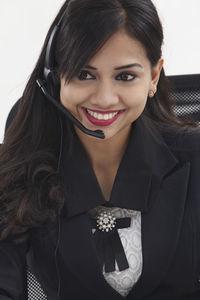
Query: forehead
121,47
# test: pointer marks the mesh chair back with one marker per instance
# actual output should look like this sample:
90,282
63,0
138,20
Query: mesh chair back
186,96
35,291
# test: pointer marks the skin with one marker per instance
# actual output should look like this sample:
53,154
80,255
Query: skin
107,89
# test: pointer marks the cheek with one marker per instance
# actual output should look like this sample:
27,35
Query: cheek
69,98
136,98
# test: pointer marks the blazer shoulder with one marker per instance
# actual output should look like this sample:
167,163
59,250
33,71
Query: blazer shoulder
190,140
184,143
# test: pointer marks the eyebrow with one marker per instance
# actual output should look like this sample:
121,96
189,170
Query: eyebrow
117,68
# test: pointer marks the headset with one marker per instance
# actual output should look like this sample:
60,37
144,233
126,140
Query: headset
47,83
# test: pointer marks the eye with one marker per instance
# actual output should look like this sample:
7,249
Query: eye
126,76
85,75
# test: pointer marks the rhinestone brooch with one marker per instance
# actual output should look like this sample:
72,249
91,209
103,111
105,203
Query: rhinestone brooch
106,221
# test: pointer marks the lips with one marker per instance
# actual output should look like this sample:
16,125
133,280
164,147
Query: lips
102,122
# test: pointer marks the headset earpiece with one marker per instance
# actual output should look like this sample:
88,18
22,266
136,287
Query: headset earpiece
51,83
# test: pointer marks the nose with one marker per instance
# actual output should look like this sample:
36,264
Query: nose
105,96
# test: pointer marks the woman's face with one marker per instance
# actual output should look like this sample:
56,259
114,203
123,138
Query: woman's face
111,91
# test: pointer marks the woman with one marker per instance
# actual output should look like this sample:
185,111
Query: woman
99,180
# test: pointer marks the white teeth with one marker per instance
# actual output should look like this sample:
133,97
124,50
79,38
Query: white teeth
102,116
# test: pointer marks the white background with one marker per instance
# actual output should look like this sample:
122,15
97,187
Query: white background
24,24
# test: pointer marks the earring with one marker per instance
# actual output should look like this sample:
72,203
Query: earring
151,94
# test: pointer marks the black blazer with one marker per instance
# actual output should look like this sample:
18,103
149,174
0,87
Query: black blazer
157,178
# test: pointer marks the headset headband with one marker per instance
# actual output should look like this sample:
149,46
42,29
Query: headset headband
50,52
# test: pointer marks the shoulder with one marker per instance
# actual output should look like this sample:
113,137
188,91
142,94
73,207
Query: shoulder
185,141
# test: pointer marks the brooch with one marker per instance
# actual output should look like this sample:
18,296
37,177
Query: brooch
106,221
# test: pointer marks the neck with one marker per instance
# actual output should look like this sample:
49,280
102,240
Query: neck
105,153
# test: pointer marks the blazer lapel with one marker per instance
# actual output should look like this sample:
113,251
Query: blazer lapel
160,231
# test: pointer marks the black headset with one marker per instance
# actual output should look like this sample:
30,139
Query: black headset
47,84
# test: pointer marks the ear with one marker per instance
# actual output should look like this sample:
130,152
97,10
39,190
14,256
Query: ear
155,74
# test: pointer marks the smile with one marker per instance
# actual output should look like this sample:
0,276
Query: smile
101,118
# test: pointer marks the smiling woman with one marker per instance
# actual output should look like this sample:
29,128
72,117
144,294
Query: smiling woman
99,191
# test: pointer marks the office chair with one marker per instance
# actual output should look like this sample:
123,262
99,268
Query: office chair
186,98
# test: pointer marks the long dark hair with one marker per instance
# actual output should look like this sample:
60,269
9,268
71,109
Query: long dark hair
30,189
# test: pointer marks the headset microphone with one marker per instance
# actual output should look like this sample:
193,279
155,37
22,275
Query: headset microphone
47,84
95,133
